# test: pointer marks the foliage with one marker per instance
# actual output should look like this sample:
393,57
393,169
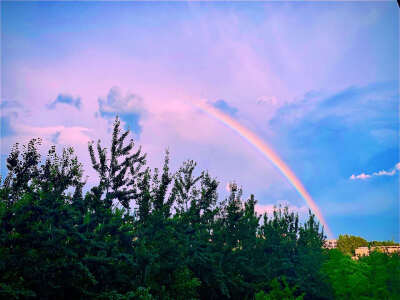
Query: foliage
348,243
280,290
384,275
382,243
115,182
376,276
147,234
348,278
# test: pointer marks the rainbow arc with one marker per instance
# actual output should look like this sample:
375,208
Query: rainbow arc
270,154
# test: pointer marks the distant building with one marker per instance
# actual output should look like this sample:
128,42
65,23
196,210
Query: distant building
330,244
362,251
365,251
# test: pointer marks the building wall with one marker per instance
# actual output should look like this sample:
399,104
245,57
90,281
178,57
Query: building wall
365,251
330,244
362,251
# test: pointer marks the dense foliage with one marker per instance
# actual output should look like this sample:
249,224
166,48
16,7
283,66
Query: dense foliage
382,243
376,276
349,243
150,234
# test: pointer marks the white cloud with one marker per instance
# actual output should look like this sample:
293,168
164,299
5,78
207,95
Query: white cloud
363,176
116,102
383,173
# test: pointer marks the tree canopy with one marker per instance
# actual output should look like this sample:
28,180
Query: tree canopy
348,243
142,233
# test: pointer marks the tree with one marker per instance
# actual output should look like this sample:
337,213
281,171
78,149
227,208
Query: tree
22,168
151,234
280,290
376,276
53,242
38,232
348,278
115,181
348,243
384,275
382,243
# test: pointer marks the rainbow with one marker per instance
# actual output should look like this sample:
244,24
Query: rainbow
270,154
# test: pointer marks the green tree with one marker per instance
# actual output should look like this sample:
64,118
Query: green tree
348,278
55,243
22,169
382,243
113,171
376,276
150,234
348,243
280,290
384,275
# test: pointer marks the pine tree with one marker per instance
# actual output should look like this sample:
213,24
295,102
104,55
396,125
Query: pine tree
22,168
160,187
118,173
181,242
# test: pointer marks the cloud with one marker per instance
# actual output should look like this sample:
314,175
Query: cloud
325,128
129,108
9,104
363,176
65,99
55,137
270,101
6,126
225,107
352,105
384,173
9,112
212,57
65,135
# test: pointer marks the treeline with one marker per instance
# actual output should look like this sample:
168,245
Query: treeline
153,234
376,276
347,244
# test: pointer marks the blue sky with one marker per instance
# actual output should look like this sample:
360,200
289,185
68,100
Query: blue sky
317,81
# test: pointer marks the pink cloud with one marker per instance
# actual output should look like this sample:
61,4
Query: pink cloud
235,67
361,176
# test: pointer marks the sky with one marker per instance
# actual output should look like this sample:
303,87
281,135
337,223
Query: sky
317,81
